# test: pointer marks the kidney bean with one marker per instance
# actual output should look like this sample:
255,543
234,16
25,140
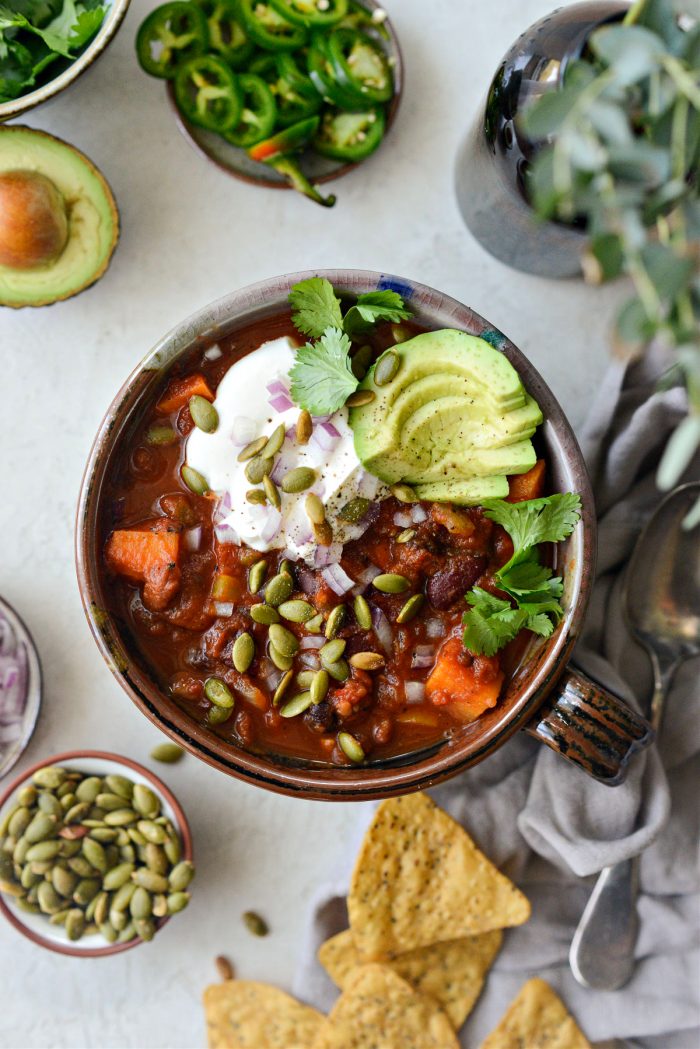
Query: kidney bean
450,584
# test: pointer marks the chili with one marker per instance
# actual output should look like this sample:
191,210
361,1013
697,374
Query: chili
258,115
208,94
226,33
310,12
268,28
360,65
349,136
170,35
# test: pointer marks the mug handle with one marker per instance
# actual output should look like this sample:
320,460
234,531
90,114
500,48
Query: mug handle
590,727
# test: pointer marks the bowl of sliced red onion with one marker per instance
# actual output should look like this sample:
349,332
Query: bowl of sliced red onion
20,687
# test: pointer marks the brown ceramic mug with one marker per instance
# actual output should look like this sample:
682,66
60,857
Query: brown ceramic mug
546,697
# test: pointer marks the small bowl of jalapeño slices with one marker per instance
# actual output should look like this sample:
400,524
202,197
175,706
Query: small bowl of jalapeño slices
281,93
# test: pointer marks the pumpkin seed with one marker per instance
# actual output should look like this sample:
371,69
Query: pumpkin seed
319,687
43,850
100,910
51,777
145,801
19,853
48,803
108,802
386,368
68,800
273,496
85,890
117,876
258,468
339,671
108,932
304,678
12,889
296,705
406,535
218,715
315,625
404,493
298,479
400,333
19,822
120,817
256,576
154,858
89,789
361,360
204,414
355,510
367,660
141,904
304,427
282,687
122,897
361,397
224,968
104,834
218,692
119,785
177,901
145,928
315,510
75,924
411,608
41,826
334,622
391,583
173,849
168,753
28,878
152,832
279,589
95,854
29,908
160,905
150,880
242,655
362,611
81,867
275,440
27,797
161,435
297,611
59,917
332,651
323,533
48,899
181,875
63,881
255,924
256,496
127,934
194,480
264,614
351,747
118,919
283,640
252,449
77,812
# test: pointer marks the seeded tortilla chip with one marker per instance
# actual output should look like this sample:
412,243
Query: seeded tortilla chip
537,1019
419,880
452,973
379,1010
241,1014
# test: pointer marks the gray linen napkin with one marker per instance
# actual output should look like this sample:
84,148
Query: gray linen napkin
549,826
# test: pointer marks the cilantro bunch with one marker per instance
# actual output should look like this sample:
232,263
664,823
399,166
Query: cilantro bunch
35,33
322,375
533,590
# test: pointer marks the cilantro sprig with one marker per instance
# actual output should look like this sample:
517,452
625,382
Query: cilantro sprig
322,376
533,590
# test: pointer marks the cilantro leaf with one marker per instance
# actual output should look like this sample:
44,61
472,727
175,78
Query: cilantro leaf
373,307
322,378
490,623
315,307
534,521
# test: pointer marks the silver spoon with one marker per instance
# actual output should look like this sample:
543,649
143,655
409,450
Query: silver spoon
661,599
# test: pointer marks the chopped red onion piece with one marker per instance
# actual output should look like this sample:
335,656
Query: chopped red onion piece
317,454
277,386
224,608
225,534
272,525
401,519
418,514
281,402
338,579
312,641
328,555
382,628
415,692
434,628
309,659
423,656
326,436
367,574
193,538
213,353
244,430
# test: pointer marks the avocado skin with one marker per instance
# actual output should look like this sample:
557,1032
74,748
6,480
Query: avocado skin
454,421
92,215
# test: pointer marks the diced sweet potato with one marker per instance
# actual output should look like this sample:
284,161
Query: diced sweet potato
179,392
467,690
150,557
527,486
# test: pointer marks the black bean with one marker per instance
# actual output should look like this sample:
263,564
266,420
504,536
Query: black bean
320,718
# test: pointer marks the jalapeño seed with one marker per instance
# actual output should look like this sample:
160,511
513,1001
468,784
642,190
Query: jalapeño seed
334,622
304,427
255,924
204,414
273,496
361,397
284,684
218,692
339,671
279,589
281,661
275,441
298,479
411,608
406,535
362,612
194,480
404,493
258,468
243,652
351,747
256,496
264,614
319,687
283,640
256,576
355,510
304,679
386,368
168,753
161,435
297,611
315,625
315,510
296,705
323,533
252,449
367,660
391,583
332,651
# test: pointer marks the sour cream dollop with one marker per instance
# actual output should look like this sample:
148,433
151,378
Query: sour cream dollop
243,402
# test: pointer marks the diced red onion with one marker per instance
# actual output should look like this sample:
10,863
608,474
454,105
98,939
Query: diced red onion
272,525
309,659
281,402
418,514
312,641
317,454
423,656
213,353
402,520
277,386
326,435
225,534
244,430
328,555
338,579
415,691
367,574
382,628
193,538
434,628
224,608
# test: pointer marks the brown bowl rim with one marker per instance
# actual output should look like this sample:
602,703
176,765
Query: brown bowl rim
182,824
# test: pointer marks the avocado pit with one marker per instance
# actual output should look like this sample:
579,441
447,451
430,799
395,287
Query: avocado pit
33,220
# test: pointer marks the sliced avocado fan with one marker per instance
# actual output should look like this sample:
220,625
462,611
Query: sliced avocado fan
453,422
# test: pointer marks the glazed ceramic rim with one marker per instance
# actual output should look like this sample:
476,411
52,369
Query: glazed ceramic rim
35,685
344,167
74,757
278,772
92,52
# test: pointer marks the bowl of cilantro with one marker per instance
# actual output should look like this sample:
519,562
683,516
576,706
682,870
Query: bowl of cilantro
47,44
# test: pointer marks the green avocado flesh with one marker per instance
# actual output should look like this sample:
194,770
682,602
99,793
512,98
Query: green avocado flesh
454,421
93,220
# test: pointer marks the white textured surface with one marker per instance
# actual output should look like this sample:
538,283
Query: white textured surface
190,234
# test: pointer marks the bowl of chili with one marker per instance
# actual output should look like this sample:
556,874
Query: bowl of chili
166,655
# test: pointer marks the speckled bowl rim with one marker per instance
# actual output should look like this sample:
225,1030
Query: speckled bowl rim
74,757
106,33
278,772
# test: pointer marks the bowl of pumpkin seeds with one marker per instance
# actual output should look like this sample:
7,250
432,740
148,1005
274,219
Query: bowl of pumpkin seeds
95,854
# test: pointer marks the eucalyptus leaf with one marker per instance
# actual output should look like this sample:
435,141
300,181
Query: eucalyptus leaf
630,52
639,161
608,252
667,270
611,122
550,113
681,447
633,325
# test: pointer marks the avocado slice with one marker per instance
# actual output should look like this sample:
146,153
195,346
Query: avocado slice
454,420
88,213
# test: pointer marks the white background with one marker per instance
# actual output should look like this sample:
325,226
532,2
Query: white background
190,234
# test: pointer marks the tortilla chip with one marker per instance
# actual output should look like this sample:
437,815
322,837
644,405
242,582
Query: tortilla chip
537,1019
452,973
419,879
379,1010
242,1014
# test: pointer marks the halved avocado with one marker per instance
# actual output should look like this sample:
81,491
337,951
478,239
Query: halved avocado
59,223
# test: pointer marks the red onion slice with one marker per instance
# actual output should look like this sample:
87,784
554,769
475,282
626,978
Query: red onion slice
382,628
402,520
281,402
326,435
367,574
418,514
423,656
213,353
224,608
277,386
415,692
272,525
328,555
193,538
338,579
312,641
